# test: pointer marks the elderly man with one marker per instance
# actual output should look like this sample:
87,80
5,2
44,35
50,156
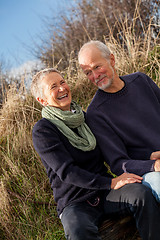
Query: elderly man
124,115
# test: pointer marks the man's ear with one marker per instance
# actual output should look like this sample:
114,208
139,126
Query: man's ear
112,60
42,101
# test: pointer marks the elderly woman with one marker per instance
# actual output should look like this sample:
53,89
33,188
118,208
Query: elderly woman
83,190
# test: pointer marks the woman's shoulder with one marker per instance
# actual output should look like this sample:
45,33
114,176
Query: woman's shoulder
43,123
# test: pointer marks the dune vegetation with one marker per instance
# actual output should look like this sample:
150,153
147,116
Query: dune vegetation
27,207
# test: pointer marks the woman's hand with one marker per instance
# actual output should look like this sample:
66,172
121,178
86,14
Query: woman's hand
124,179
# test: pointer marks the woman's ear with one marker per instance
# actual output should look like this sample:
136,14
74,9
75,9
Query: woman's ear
42,101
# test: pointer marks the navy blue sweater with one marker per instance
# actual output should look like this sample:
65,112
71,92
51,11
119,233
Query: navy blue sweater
74,175
127,124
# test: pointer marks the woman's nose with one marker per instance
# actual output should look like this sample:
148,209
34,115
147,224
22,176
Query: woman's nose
61,89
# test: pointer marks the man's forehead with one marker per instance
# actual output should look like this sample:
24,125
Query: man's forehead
88,59
89,65
91,61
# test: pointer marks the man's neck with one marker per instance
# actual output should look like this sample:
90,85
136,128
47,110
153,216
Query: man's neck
116,86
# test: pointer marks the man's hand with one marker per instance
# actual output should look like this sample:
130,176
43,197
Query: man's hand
124,179
156,156
157,165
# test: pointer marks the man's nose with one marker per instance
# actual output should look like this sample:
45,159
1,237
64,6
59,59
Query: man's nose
96,75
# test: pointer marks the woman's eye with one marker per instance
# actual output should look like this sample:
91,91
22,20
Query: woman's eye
62,82
54,86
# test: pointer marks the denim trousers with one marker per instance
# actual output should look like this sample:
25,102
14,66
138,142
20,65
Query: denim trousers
81,220
152,180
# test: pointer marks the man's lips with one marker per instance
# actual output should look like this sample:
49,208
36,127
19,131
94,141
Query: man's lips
97,81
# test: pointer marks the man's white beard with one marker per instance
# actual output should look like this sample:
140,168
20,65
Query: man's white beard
106,85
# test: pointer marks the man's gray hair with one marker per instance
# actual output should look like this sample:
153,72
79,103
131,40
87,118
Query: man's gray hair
99,45
36,85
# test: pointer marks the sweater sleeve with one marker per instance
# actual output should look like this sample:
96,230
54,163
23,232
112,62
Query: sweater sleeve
52,151
113,147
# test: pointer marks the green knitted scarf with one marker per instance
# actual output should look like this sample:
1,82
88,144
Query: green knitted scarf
66,120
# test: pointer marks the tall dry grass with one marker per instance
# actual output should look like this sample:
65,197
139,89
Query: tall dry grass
27,208
135,53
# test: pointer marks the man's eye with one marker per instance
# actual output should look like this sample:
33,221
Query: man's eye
54,86
87,73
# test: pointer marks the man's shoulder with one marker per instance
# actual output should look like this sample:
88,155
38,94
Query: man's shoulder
138,77
131,77
101,97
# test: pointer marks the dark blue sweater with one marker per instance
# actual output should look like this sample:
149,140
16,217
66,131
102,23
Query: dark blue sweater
127,124
74,175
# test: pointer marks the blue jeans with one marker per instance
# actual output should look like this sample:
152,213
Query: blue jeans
152,180
81,220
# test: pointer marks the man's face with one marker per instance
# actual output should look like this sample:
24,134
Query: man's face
56,91
98,69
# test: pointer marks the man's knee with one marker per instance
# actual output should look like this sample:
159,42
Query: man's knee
141,195
139,191
136,194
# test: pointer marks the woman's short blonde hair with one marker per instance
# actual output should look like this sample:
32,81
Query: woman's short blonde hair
36,86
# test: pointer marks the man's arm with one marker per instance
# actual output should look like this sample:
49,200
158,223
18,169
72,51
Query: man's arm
155,155
114,149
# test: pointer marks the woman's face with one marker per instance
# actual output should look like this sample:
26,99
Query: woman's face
56,91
